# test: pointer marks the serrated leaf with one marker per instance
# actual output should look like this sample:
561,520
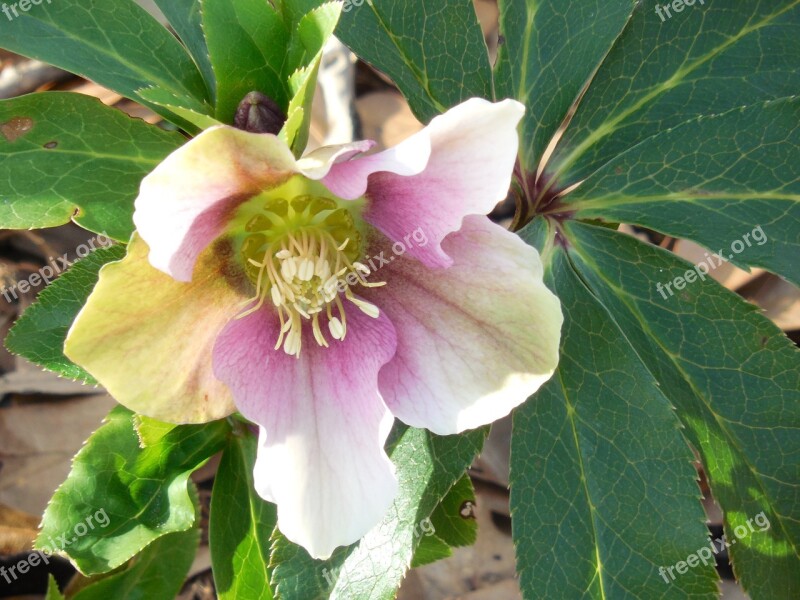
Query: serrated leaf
185,18
451,525
63,151
151,431
433,51
275,51
599,470
247,41
39,333
431,548
53,593
453,521
156,573
371,569
712,181
549,51
116,44
707,59
313,31
734,379
192,112
294,10
143,492
240,525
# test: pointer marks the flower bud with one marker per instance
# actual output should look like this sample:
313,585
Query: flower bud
258,113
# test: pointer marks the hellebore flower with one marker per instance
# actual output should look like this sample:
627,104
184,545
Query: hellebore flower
321,298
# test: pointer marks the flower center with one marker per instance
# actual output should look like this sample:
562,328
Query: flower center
297,253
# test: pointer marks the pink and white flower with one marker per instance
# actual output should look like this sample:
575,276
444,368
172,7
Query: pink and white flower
247,288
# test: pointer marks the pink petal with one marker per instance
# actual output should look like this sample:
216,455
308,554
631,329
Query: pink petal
323,425
459,165
348,179
187,200
474,340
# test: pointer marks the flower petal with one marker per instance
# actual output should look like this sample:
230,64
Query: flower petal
323,425
186,201
317,163
348,179
148,338
459,165
474,340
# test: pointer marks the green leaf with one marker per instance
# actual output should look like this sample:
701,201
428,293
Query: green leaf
434,52
427,467
241,524
117,44
550,49
185,18
192,112
712,181
143,492
39,333
304,42
313,31
247,41
157,573
151,431
707,59
603,492
431,548
63,151
53,593
452,524
294,10
453,520
734,379
277,52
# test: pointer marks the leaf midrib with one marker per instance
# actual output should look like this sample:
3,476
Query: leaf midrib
86,154
610,126
120,59
611,201
264,553
522,92
721,421
420,76
572,415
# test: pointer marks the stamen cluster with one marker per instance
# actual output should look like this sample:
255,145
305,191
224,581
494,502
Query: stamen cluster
297,255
